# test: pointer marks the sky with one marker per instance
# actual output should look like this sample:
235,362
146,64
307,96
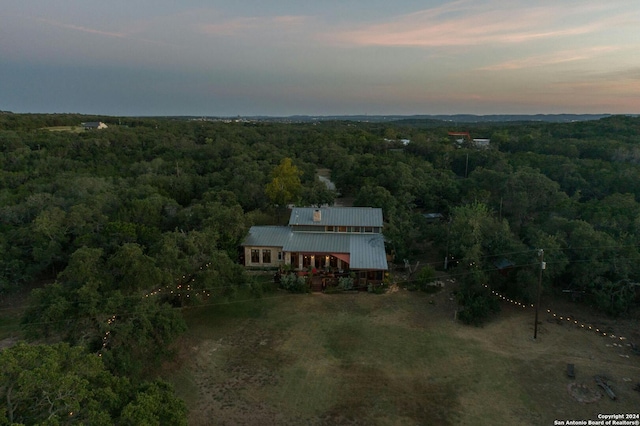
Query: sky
329,57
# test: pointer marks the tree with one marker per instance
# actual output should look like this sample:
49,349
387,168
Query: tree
285,183
318,194
62,384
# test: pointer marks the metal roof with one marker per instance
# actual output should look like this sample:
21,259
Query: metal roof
314,242
337,216
366,250
267,236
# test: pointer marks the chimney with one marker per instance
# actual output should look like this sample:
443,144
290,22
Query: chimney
317,215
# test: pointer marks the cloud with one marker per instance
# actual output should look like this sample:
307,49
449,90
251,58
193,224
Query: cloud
243,25
469,23
110,34
551,58
81,29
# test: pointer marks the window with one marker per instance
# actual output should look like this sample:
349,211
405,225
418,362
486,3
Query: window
355,229
329,228
255,256
368,229
280,257
342,229
266,256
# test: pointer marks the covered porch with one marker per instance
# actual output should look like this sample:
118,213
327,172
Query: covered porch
325,270
320,261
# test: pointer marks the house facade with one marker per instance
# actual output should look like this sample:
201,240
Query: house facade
328,239
94,125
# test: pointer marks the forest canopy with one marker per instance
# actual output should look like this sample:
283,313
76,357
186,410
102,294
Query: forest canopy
115,229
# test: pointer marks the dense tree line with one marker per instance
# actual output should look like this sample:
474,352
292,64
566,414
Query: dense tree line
107,224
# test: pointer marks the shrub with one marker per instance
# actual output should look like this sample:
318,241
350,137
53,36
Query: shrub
478,306
345,283
377,288
294,284
425,276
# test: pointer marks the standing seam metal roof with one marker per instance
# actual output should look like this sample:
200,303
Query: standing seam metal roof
337,216
366,251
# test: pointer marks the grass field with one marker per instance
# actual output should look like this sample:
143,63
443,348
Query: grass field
71,129
392,359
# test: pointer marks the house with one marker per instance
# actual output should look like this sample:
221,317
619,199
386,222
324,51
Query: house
432,217
481,143
91,125
331,240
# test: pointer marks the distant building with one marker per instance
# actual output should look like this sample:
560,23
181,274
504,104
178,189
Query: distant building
481,143
433,217
461,138
91,125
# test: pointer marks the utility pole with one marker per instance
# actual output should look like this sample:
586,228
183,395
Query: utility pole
446,256
543,265
466,166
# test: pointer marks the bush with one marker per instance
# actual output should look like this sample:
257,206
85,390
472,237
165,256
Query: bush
294,284
478,306
377,288
425,276
345,283
332,290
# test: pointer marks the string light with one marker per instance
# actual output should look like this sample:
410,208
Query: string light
557,316
112,319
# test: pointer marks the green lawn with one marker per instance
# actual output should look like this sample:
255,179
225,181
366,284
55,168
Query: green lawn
390,359
334,359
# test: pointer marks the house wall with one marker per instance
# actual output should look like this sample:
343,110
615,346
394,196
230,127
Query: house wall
266,256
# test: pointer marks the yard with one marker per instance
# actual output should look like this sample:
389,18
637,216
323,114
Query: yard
397,358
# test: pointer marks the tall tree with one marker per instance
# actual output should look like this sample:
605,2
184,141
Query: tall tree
62,384
285,183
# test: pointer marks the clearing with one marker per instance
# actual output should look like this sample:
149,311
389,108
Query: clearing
392,359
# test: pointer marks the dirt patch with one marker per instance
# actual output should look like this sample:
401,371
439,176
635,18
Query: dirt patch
7,343
581,392
369,395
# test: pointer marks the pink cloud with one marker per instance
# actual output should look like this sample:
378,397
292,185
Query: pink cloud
468,23
551,59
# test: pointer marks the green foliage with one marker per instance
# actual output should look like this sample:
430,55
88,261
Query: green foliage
110,216
285,185
294,283
317,194
614,298
478,306
345,283
377,288
425,276
154,404
62,384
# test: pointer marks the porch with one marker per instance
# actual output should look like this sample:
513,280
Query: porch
324,279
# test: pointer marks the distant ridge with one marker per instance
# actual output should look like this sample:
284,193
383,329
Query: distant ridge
459,118
454,118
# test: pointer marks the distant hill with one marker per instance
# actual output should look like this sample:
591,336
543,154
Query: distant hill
461,118
434,119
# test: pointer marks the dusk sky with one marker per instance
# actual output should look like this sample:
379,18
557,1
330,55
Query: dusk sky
329,57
